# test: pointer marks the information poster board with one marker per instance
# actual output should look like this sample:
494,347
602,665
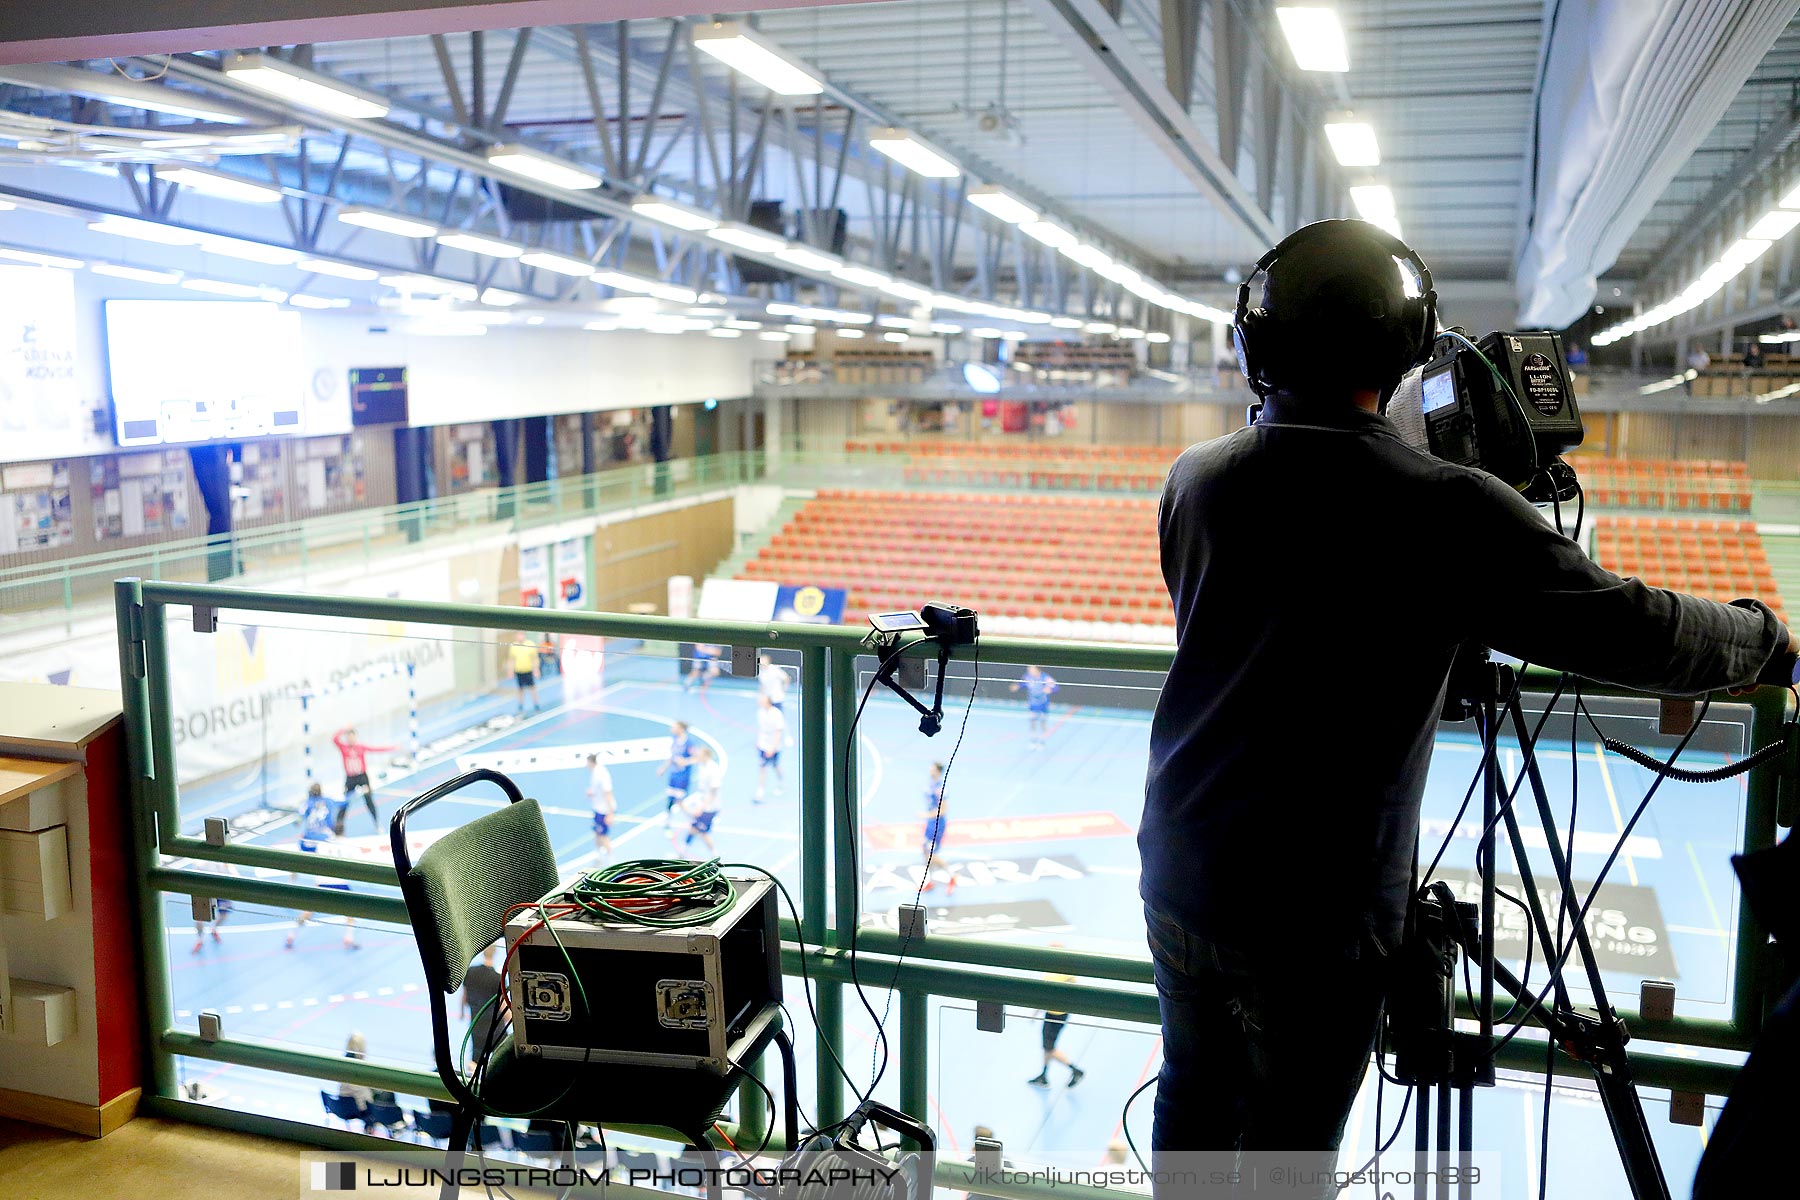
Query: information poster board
131,495
34,507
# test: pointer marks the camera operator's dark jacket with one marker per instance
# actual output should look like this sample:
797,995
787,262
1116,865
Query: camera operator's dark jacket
1323,573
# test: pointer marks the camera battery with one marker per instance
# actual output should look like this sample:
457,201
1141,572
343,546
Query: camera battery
585,989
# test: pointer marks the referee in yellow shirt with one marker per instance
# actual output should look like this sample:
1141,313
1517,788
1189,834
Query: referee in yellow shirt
1053,1027
524,657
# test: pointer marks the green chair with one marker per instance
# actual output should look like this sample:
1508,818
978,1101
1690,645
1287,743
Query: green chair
457,895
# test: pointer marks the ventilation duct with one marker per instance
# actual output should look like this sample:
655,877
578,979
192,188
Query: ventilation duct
1628,92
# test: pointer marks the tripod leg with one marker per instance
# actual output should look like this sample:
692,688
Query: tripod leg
1625,1113
1490,791
1441,1157
1465,1140
1421,1138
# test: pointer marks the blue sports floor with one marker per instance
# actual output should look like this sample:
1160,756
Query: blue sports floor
1040,846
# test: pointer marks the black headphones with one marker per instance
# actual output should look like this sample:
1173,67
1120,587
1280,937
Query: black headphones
1410,332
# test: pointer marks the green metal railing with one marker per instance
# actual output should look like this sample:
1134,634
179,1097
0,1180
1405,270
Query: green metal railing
830,895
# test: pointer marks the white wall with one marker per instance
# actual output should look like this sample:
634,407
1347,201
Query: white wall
521,371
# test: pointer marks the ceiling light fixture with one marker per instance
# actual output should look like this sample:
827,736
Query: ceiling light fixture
33,258
1051,234
145,231
1316,37
1774,225
218,183
305,88
1091,257
913,154
562,264
476,243
750,54
299,300
674,292
337,270
386,222
861,276
1746,250
669,213
808,259
544,168
1002,204
746,237
1354,143
619,281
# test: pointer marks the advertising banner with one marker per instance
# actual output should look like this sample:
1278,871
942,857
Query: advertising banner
571,575
534,576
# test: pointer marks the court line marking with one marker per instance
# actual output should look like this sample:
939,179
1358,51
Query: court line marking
1612,798
1705,891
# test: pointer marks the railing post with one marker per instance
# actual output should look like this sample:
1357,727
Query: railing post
846,803
829,1001
815,796
914,1055
146,730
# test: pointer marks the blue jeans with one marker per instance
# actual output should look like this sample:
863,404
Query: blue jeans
1260,1054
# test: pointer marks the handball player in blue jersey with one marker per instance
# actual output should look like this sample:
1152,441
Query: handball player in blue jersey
1038,687
317,829
934,825
706,667
678,768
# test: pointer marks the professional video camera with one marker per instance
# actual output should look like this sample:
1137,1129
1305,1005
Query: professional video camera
1504,404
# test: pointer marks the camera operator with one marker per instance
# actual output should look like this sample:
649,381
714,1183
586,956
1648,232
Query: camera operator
1323,575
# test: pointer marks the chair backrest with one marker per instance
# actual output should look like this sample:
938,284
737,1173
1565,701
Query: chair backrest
431,1124
384,1114
458,892
344,1108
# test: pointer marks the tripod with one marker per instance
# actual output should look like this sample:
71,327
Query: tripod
1429,1052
